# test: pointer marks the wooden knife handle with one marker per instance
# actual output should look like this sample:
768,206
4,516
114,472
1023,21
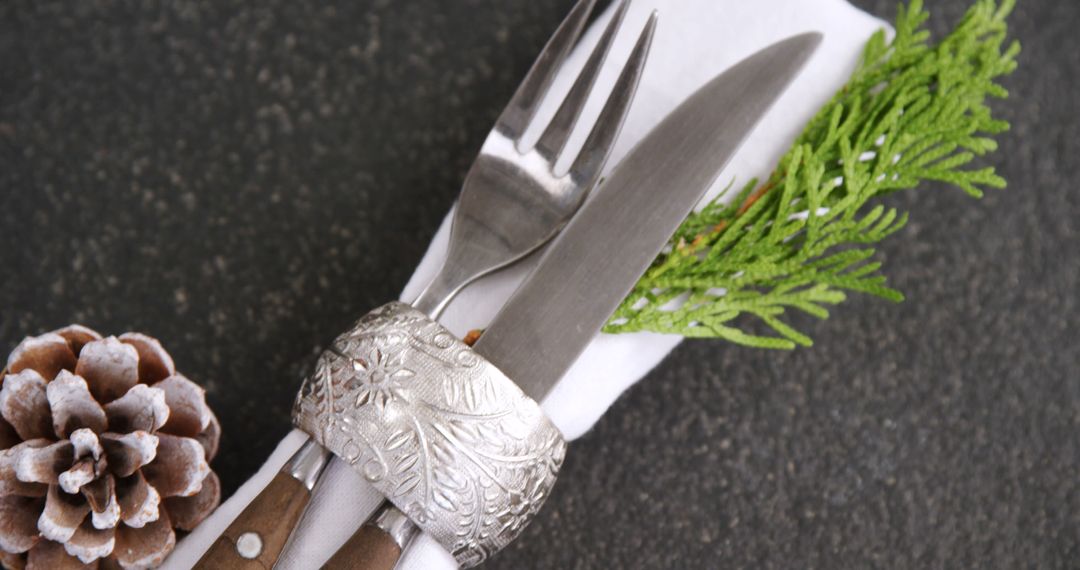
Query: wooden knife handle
378,544
255,539
371,548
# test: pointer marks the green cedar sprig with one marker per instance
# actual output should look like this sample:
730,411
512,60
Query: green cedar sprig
912,112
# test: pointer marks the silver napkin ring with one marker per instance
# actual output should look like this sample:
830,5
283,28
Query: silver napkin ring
435,427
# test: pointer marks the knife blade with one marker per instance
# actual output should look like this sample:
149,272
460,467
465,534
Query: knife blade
608,245
599,256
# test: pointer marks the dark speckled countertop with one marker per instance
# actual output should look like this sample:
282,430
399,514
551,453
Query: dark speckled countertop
243,179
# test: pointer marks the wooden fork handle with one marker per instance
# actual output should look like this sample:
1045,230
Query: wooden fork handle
255,539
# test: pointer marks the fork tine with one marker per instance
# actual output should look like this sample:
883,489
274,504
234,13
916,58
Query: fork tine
515,118
587,165
556,134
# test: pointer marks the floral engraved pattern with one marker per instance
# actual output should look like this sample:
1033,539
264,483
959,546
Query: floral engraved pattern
378,378
435,427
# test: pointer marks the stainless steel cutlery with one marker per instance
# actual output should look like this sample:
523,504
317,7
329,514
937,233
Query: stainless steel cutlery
512,202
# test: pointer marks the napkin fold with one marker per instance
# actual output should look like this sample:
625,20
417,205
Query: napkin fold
695,41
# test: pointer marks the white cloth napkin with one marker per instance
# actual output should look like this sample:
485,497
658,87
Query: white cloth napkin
695,40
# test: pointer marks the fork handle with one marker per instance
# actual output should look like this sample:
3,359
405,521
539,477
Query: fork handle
450,279
378,544
256,537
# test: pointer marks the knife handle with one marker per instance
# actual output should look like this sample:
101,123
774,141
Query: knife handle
378,544
257,536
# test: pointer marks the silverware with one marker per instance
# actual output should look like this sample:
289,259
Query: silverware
539,333
512,202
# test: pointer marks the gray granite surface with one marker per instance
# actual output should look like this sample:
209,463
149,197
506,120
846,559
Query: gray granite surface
242,179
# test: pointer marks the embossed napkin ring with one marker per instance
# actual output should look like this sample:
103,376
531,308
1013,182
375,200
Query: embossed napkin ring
436,428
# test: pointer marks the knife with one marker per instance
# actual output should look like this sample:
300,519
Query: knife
595,262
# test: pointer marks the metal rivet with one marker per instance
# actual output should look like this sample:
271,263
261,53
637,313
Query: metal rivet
249,545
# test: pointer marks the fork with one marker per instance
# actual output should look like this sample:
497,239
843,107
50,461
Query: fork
512,202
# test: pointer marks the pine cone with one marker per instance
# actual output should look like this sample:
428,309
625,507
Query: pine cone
105,451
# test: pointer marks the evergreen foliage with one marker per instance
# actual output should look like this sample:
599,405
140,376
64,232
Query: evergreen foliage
912,112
